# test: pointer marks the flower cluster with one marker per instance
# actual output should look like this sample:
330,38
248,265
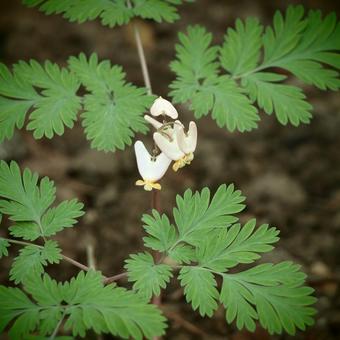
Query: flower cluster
172,143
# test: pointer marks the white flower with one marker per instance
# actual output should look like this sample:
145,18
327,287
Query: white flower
155,123
178,145
187,141
150,168
162,106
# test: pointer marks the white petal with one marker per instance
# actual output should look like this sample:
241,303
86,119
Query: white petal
170,148
149,169
187,142
162,106
155,123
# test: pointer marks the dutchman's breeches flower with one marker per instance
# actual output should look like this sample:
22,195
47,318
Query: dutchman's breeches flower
151,168
171,139
162,106
178,145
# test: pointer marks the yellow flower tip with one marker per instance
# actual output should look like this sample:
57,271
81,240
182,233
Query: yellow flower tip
140,182
148,185
181,163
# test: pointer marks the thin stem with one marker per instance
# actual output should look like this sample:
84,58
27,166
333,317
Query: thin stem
66,258
75,263
141,55
156,204
114,278
91,261
142,59
106,279
53,335
155,200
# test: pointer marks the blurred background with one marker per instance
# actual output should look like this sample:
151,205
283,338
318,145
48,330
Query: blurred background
290,175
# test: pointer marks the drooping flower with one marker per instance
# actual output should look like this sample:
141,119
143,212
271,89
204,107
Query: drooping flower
155,123
176,144
151,168
187,142
162,106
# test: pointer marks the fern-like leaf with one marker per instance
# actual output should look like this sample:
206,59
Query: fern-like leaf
147,276
54,107
228,247
286,101
111,13
83,302
27,202
199,289
306,46
113,108
273,294
32,259
4,245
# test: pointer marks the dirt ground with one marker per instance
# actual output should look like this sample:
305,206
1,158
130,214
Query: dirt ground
290,176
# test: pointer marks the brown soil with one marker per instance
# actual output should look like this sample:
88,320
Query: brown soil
290,175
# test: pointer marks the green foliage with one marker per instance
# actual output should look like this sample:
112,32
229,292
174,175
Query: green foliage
195,63
32,258
199,289
228,247
307,47
240,52
196,215
4,245
84,303
274,97
147,276
48,92
161,234
28,202
272,294
206,243
111,13
113,108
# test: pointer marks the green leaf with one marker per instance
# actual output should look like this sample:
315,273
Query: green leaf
288,102
195,61
16,98
302,46
113,109
62,216
47,92
229,106
161,234
285,35
147,276
13,302
197,214
32,259
4,245
53,221
111,13
84,303
226,248
58,103
27,202
182,253
273,294
317,46
240,52
199,289
197,81
23,199
158,10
